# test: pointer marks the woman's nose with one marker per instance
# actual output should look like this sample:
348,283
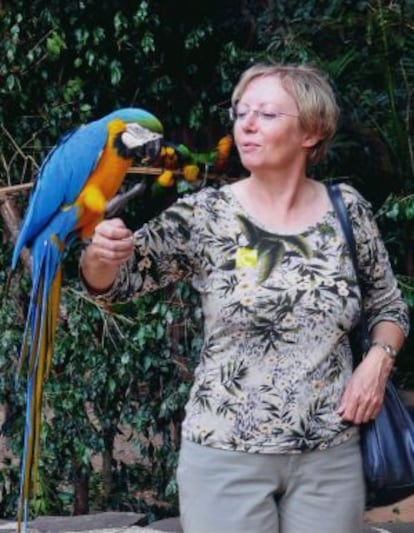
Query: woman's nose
251,119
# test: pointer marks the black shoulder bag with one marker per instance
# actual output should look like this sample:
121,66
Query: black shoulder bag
387,443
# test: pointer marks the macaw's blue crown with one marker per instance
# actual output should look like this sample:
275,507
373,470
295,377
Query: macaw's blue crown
135,114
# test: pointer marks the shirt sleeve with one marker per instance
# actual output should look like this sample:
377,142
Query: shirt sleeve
382,299
165,252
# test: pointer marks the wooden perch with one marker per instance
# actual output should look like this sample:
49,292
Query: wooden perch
150,171
14,189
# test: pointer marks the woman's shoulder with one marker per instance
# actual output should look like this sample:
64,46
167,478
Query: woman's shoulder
354,200
350,193
207,196
196,207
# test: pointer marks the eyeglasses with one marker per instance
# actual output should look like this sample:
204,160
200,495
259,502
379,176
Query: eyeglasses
241,112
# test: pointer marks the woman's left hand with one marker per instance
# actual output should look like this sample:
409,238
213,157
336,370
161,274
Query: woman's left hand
364,394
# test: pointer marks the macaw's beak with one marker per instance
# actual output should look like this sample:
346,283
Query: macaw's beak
142,143
152,150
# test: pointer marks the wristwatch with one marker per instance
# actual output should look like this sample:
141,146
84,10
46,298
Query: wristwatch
392,352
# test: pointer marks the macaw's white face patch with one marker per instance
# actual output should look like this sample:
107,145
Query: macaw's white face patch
135,136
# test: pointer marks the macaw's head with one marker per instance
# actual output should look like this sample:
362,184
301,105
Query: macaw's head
142,137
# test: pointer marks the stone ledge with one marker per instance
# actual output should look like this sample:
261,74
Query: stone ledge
90,522
124,522
108,522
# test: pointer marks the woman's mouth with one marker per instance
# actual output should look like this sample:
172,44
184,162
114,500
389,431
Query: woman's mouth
249,147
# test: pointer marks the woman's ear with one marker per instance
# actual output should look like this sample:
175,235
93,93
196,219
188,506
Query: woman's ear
310,140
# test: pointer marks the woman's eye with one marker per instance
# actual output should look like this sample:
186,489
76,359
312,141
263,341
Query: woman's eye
269,116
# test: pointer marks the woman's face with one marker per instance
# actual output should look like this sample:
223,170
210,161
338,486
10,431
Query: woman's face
267,130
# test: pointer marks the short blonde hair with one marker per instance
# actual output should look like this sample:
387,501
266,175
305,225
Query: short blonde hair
313,95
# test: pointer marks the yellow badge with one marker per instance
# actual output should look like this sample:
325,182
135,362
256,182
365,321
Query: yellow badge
246,258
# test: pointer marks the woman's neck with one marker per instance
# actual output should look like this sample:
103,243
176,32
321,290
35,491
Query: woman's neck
287,205
283,192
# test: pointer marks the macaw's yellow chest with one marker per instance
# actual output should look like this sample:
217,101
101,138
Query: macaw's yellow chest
103,183
110,173
111,168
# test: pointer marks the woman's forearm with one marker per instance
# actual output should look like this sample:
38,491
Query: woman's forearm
98,276
388,336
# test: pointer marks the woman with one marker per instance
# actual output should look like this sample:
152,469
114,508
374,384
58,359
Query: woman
270,436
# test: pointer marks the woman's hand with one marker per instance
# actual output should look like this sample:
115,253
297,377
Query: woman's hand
364,394
112,245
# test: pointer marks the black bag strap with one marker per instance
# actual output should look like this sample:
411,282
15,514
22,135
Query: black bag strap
343,216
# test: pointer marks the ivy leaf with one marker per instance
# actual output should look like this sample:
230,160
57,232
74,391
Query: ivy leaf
116,72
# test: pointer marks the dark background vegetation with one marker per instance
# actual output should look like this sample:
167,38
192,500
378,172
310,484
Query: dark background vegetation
65,63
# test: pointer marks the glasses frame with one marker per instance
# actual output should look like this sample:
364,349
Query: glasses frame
257,113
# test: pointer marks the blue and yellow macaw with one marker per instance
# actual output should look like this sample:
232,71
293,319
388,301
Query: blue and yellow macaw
81,173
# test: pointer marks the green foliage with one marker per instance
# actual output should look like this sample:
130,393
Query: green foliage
130,367
399,209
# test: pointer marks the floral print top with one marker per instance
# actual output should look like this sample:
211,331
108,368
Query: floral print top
277,309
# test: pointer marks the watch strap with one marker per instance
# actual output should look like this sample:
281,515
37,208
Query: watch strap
391,351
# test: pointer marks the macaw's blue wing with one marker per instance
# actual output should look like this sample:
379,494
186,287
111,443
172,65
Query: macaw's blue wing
61,177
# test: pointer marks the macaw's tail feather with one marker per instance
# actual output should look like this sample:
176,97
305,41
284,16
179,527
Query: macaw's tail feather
36,355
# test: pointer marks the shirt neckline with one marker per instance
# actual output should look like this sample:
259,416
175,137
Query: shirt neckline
327,216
